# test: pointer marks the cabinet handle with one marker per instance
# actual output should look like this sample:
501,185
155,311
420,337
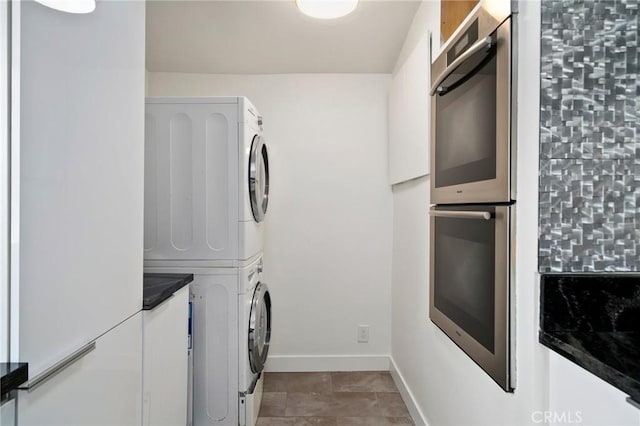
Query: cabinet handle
58,367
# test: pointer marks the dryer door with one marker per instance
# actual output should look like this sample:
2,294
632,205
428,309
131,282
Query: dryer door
259,327
259,178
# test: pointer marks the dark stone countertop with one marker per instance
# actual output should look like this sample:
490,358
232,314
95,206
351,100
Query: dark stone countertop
594,321
159,287
13,375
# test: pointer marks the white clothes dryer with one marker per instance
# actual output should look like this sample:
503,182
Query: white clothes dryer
206,181
231,324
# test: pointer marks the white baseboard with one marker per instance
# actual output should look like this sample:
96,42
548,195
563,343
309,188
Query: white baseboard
295,363
416,414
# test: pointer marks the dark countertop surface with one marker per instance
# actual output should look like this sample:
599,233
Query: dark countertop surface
159,287
594,321
13,375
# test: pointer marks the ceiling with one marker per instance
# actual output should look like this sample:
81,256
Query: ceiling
272,37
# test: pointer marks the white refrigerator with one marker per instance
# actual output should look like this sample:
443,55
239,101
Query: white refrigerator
78,113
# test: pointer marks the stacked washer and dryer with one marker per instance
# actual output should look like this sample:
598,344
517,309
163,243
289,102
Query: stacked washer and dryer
206,194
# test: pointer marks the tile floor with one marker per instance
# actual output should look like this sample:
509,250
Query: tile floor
332,399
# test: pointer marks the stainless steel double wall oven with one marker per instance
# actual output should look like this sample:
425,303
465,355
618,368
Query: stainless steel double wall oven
473,189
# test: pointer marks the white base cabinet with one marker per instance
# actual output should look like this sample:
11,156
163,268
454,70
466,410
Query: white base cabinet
165,362
8,413
103,388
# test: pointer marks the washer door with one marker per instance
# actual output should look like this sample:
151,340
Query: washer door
259,327
259,178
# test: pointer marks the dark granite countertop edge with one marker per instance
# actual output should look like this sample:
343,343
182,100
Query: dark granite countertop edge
158,299
13,375
625,383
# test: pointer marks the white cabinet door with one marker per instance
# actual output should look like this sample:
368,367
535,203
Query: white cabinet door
165,362
409,116
81,175
102,388
8,413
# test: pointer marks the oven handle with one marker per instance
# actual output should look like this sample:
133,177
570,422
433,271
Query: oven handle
485,43
460,214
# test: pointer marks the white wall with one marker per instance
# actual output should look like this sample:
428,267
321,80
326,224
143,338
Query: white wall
447,387
328,229
444,385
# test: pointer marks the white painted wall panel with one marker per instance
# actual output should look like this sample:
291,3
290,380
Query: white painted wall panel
81,124
328,230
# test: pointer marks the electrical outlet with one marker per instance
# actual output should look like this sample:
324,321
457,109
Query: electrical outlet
363,334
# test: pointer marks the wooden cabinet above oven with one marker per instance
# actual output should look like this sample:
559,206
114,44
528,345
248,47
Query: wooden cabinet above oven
452,14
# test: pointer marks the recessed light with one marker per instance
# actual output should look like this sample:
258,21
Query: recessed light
70,6
326,9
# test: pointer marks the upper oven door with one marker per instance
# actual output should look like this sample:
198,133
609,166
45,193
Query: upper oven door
471,104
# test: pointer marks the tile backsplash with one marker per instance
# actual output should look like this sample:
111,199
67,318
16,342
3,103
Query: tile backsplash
589,136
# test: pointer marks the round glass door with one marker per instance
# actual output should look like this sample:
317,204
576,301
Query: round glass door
259,328
259,178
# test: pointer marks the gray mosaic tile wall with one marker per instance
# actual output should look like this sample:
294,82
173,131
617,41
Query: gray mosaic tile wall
589,136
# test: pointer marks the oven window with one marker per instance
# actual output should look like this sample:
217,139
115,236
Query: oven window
464,284
465,147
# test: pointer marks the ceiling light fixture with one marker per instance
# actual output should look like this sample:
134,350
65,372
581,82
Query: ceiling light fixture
70,6
326,9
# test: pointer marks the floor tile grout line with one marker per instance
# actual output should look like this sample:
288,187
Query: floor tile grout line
376,405
286,401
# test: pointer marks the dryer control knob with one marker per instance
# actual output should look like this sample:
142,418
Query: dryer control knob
260,120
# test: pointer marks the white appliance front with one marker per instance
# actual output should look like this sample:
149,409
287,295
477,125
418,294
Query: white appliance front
200,180
215,342
225,390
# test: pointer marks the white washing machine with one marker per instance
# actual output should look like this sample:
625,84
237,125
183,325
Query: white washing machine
206,181
254,310
231,333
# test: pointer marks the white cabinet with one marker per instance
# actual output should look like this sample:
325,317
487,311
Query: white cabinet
165,362
8,413
409,116
101,388
77,258
81,103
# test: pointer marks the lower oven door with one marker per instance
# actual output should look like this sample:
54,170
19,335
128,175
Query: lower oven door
469,282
